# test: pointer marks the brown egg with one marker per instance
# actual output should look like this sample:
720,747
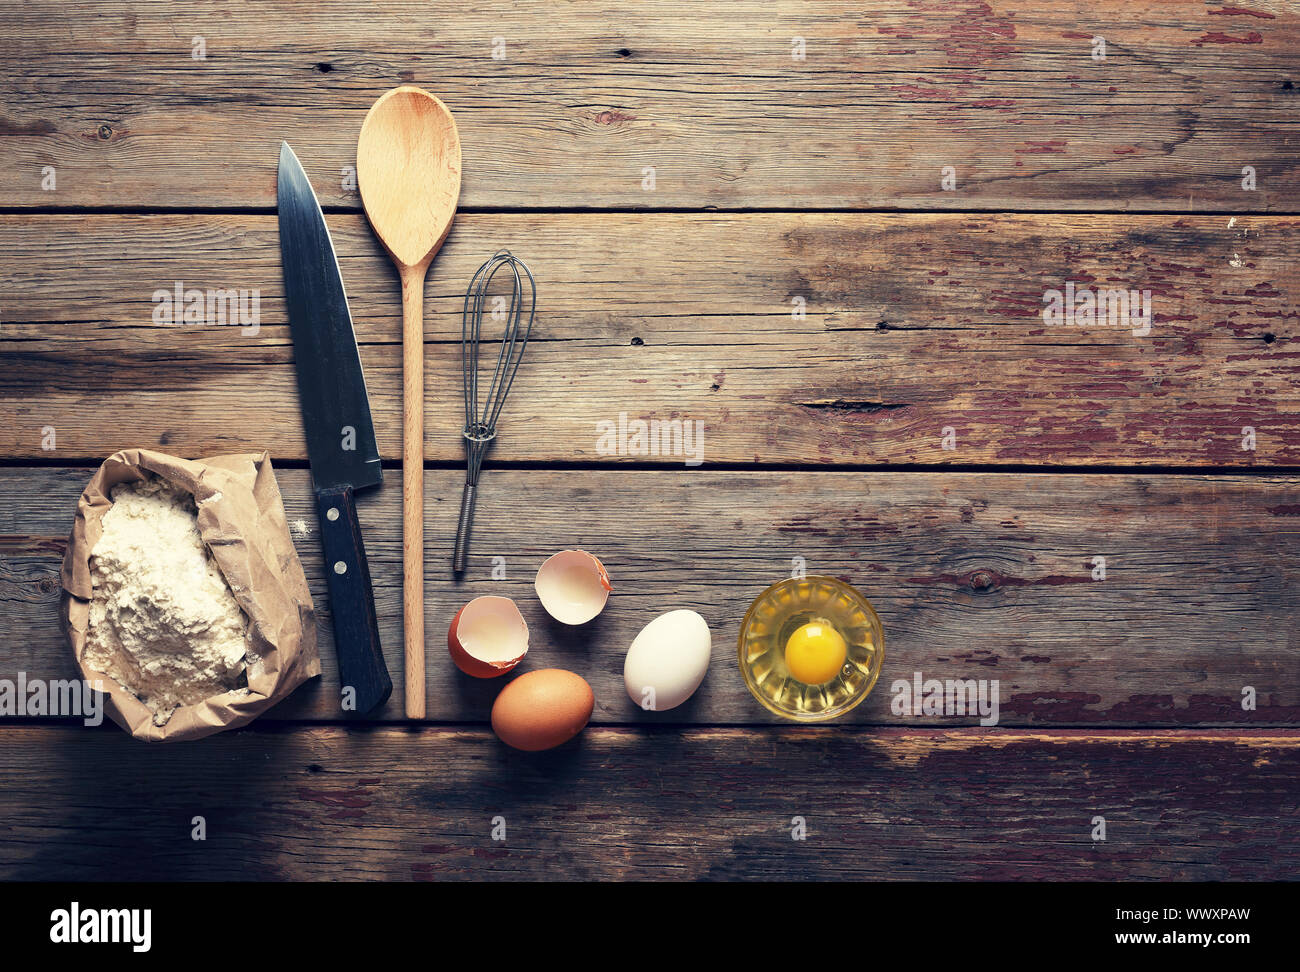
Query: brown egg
542,709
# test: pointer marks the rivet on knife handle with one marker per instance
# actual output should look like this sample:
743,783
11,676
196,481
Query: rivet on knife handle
362,671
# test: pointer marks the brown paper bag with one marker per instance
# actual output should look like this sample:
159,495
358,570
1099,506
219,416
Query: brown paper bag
241,519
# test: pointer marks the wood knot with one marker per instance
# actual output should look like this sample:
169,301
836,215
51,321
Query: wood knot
613,117
982,580
105,132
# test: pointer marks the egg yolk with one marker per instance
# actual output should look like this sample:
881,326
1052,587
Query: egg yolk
815,653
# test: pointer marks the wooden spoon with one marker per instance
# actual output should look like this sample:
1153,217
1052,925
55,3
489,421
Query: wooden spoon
408,170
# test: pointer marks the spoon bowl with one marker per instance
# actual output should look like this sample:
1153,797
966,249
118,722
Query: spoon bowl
408,170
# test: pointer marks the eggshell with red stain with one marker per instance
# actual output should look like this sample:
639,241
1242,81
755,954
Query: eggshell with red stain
573,586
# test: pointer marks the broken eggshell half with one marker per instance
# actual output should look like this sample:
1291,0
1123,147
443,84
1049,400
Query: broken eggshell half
488,637
573,586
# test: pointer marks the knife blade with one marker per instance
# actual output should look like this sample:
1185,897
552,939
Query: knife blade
336,419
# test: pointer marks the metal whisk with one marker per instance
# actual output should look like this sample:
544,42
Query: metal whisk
481,426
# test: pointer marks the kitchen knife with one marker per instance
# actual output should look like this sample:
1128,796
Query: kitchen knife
336,417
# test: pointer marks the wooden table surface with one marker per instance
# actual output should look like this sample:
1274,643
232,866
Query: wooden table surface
737,215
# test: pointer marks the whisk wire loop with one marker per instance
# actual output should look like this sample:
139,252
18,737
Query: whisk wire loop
481,424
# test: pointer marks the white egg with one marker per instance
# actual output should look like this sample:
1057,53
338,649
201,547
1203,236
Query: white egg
667,660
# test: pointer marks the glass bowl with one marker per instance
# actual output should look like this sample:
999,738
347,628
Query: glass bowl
788,605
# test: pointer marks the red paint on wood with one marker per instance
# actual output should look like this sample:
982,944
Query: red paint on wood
1217,37
1241,12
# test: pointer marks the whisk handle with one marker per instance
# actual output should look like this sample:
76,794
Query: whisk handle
460,555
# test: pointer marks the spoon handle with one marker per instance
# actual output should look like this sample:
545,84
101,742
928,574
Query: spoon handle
413,485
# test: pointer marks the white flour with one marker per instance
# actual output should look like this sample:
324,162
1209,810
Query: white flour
163,621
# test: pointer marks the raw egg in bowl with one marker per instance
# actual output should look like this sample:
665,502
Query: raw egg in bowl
811,648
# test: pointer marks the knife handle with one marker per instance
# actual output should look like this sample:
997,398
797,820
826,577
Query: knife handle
352,600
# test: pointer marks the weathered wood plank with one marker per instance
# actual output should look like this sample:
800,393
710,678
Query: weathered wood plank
987,576
583,96
331,803
914,324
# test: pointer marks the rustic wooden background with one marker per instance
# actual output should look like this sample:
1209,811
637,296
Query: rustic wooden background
775,178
